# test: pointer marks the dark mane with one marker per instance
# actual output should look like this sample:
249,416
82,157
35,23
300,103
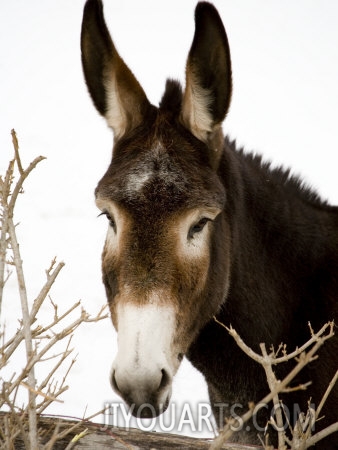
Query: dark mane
171,102
172,97
293,184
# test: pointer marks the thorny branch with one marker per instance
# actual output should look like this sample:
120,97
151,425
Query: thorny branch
31,336
8,226
301,439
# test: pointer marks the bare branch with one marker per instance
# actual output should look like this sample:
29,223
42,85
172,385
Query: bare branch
48,390
326,394
239,341
16,151
5,187
333,428
277,386
51,277
39,392
33,437
18,186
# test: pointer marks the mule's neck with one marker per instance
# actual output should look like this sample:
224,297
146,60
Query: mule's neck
282,238
284,257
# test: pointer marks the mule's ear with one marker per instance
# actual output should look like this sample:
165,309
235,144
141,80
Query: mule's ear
208,75
115,91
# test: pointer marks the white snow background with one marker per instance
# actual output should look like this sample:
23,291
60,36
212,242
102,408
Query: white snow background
285,100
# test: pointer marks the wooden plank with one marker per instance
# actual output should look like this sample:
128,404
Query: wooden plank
98,438
134,439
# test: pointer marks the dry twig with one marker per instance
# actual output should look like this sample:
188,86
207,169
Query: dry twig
31,335
305,354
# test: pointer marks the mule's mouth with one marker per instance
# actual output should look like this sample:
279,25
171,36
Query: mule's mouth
142,403
149,411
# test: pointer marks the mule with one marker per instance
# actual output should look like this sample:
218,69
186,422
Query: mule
197,229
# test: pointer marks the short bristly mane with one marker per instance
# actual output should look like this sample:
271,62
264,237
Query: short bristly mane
292,183
172,97
172,101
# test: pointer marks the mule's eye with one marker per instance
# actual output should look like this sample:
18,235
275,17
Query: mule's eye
198,227
112,222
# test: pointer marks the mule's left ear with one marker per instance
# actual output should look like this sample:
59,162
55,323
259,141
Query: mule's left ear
114,89
208,75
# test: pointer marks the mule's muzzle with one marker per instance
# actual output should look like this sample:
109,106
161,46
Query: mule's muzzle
147,394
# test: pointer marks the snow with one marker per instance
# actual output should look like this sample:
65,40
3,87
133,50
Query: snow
284,105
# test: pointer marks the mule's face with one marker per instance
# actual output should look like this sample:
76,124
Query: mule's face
164,213
164,269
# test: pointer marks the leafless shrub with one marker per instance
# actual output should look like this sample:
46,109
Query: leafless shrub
40,341
300,437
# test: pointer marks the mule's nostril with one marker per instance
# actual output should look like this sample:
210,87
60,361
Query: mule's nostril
165,380
180,357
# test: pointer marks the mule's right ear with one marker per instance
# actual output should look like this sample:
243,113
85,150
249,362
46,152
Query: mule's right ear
114,89
208,75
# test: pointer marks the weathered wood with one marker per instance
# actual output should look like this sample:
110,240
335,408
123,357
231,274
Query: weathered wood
95,436
134,439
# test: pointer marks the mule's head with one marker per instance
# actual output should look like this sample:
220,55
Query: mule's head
165,268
